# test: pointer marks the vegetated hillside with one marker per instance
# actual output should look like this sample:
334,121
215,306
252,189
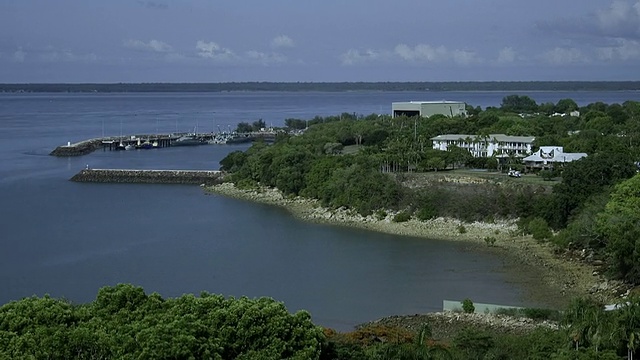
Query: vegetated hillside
574,211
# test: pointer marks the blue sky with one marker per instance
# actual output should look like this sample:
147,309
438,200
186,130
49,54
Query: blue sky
318,40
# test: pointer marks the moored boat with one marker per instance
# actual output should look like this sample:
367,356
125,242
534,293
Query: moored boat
187,140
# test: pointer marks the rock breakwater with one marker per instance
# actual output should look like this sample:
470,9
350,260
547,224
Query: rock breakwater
196,177
81,148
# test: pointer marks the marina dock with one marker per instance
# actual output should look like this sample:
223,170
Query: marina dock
196,177
158,140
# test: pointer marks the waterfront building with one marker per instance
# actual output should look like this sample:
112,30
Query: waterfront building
429,108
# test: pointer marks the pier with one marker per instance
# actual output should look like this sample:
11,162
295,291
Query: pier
85,147
129,176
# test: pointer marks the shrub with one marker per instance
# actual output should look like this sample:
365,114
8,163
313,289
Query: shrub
541,314
380,214
546,175
539,229
247,184
427,213
490,240
467,306
462,229
402,216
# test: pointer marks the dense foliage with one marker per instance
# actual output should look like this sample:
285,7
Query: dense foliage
366,163
125,323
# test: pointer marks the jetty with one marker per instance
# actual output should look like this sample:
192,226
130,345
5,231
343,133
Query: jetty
194,177
88,146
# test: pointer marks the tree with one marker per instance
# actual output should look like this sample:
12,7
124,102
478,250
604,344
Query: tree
258,125
565,106
457,155
467,306
519,104
586,177
125,323
619,224
244,127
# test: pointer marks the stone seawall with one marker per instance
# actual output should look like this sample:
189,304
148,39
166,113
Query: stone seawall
82,148
207,177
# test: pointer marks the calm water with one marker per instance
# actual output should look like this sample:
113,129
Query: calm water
68,239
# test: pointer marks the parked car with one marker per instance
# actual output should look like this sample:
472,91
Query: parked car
514,173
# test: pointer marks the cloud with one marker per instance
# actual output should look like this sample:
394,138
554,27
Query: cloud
623,49
506,55
153,5
354,56
282,41
427,53
211,50
266,58
464,57
421,52
151,46
620,20
66,56
563,56
19,55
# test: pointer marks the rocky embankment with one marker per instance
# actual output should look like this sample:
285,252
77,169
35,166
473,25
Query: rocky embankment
445,325
196,177
82,148
551,279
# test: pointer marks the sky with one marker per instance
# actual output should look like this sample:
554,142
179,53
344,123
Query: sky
130,41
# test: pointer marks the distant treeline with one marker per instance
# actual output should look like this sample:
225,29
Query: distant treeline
331,86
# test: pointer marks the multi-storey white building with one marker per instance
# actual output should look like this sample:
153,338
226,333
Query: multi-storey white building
498,145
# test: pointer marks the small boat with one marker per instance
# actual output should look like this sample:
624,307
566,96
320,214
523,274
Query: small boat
121,146
144,145
129,147
187,140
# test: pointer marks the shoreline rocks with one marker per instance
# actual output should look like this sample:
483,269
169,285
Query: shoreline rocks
550,279
83,148
193,177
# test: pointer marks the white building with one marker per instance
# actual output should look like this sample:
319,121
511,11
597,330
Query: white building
547,157
498,145
429,108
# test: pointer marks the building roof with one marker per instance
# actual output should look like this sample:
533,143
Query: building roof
430,102
490,137
553,154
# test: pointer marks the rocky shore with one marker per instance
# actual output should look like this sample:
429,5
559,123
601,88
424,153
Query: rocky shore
551,279
445,325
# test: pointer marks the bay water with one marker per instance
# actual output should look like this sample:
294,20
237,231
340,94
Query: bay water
69,239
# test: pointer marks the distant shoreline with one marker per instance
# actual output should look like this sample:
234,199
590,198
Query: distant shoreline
549,279
507,86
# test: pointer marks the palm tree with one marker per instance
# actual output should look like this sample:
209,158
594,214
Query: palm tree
629,324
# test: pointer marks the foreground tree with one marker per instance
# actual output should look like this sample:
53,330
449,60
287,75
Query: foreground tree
125,323
619,224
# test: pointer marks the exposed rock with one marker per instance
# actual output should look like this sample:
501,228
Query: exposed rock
149,176
445,325
553,279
